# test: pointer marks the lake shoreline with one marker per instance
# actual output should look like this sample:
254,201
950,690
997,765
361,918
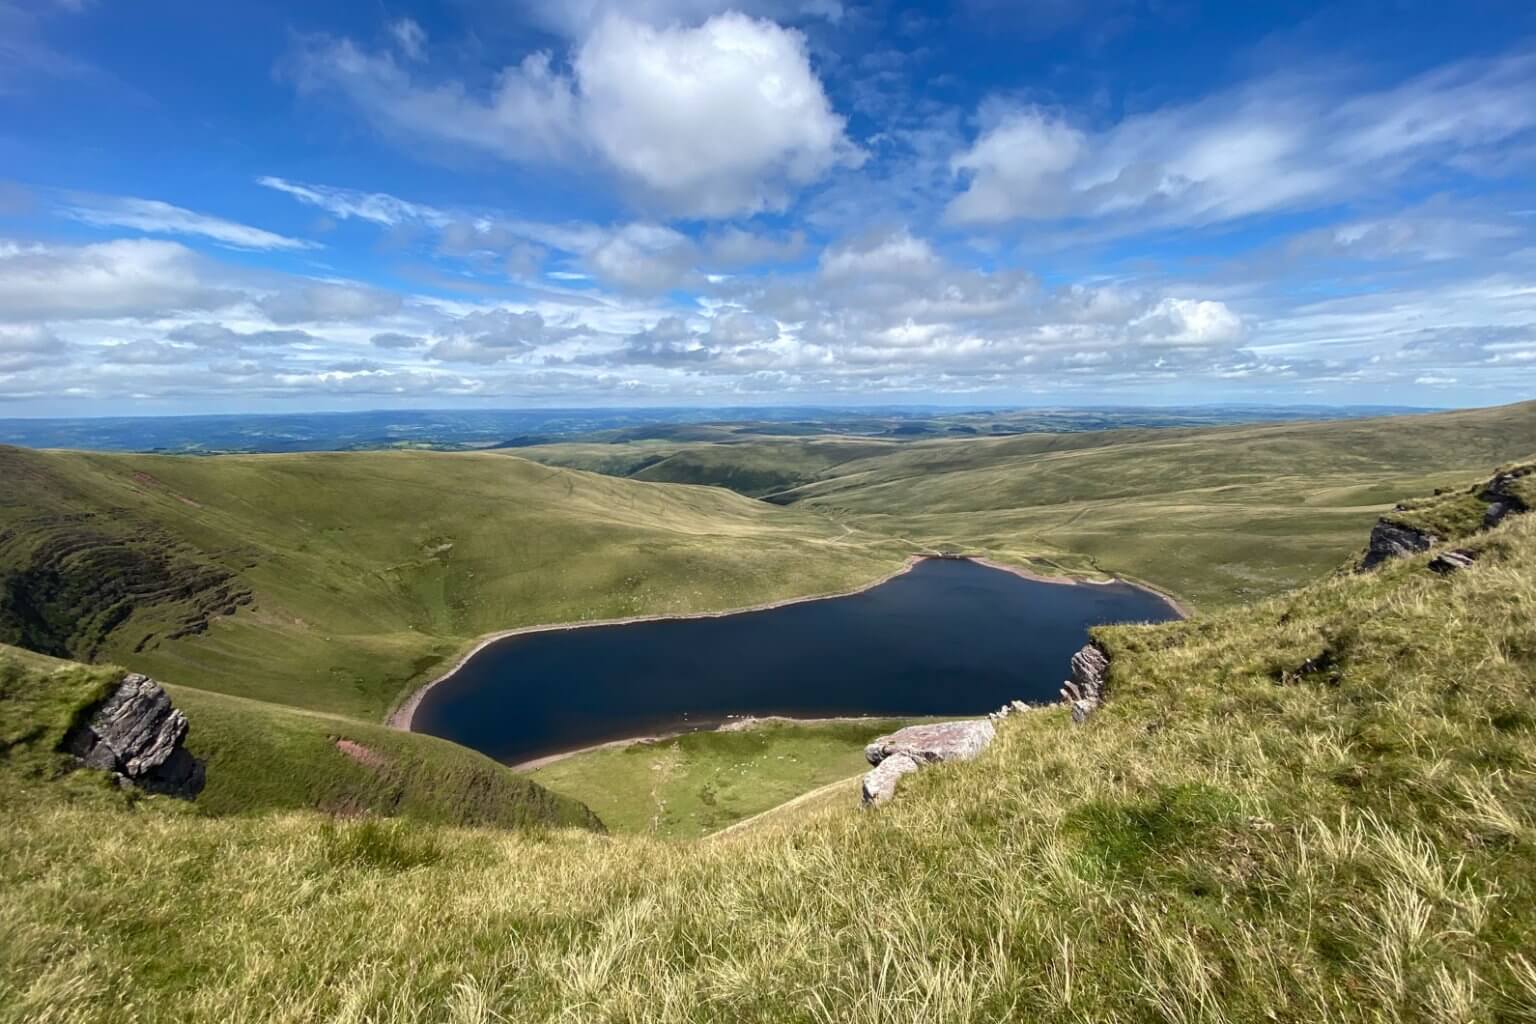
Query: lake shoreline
403,716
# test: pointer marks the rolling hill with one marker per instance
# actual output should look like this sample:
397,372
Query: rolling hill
1313,807
334,582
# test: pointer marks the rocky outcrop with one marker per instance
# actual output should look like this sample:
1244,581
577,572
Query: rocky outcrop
1390,540
906,750
1089,684
1501,497
1447,562
137,735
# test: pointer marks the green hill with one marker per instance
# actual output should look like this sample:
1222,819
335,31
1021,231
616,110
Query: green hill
1314,807
263,758
1217,515
335,582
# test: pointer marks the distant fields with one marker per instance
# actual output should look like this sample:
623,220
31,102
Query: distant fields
1217,515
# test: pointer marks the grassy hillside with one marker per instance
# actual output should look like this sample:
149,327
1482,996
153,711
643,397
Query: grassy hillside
335,581
700,782
1217,515
1317,807
263,758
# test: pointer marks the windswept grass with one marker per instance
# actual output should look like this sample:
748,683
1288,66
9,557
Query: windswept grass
1315,808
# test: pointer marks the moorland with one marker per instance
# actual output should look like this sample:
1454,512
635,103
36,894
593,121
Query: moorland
1309,801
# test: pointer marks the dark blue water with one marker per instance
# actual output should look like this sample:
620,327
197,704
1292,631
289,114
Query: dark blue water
949,637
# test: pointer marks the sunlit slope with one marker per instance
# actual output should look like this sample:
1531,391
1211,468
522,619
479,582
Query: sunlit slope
263,757
754,466
1217,515
332,581
1317,807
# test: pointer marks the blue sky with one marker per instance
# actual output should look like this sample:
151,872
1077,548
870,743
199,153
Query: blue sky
286,206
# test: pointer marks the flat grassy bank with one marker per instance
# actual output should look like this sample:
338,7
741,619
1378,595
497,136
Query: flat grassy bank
1314,807
696,783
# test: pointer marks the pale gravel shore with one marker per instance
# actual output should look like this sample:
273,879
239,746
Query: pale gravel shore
404,715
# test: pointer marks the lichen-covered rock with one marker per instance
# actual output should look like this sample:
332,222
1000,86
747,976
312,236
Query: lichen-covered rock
1089,684
906,750
1391,540
938,741
138,735
880,784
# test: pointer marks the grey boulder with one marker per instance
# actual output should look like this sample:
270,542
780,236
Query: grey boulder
1086,690
1389,541
907,750
138,735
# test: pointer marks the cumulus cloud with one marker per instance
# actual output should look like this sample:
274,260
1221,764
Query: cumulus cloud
492,336
155,217
577,18
710,121
894,254
124,278
28,347
217,336
1276,144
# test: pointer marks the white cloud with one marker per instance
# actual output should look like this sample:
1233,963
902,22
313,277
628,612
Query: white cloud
718,120
896,254
1189,322
28,347
326,302
1281,143
645,257
713,121
155,217
346,203
123,278
410,37
577,18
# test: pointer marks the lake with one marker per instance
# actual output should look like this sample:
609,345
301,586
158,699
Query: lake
948,637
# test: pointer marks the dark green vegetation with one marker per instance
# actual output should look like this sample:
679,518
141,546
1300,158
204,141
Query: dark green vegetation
690,785
1317,807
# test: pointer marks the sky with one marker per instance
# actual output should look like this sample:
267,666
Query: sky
284,206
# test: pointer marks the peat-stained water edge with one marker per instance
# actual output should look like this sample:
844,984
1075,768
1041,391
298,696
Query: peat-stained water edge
948,637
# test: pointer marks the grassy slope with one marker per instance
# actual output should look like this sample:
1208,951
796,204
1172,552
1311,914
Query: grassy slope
1232,838
1217,515
700,782
263,758
367,571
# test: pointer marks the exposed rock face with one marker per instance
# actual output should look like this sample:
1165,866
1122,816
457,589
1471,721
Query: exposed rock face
1447,562
138,735
1089,684
909,749
880,784
1389,540
1501,498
